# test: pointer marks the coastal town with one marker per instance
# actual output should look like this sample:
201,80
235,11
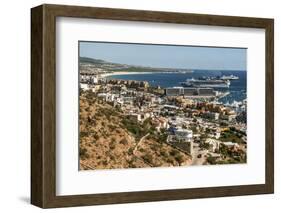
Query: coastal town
132,124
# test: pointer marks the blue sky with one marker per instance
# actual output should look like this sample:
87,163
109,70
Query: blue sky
167,56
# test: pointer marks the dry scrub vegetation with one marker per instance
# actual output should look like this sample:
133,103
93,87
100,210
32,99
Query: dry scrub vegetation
109,139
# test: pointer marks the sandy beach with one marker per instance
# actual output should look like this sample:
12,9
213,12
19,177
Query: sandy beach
128,73
132,73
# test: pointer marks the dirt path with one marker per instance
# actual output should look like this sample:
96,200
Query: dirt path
140,141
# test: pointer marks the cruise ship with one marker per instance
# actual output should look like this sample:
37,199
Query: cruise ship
229,77
206,83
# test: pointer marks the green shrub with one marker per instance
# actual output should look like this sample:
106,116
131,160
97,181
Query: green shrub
141,150
112,145
148,158
179,158
96,136
130,151
83,153
211,160
174,152
124,141
112,157
164,153
204,145
84,134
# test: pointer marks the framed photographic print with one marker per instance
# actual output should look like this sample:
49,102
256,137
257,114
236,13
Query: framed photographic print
136,106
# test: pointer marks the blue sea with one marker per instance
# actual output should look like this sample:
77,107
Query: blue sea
237,88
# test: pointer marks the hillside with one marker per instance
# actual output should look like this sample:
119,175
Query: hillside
91,60
108,140
111,66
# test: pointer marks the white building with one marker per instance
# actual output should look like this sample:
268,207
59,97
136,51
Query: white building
84,86
102,95
211,115
170,107
183,134
95,80
136,116
228,117
214,144
182,139
230,144
217,134
110,97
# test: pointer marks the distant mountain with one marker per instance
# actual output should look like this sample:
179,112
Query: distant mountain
112,66
92,60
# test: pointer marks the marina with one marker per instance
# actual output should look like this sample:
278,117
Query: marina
228,94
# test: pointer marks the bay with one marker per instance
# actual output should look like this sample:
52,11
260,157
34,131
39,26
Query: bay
237,89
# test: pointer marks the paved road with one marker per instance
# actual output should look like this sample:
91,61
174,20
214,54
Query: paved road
196,152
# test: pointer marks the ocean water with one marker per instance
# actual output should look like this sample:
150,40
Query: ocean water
237,88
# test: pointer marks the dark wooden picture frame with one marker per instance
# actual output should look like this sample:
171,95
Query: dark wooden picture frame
43,105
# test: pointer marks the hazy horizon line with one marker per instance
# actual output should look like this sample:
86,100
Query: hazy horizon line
145,66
